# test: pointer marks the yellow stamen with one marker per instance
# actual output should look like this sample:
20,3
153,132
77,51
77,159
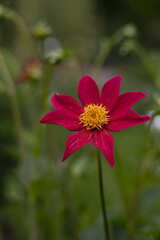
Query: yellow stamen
94,116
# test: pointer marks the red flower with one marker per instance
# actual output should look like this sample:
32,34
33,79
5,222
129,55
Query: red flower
98,115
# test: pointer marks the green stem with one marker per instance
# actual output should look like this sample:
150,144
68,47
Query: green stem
147,62
18,21
72,224
16,113
48,74
47,79
33,234
29,96
106,227
42,50
106,48
25,33
144,166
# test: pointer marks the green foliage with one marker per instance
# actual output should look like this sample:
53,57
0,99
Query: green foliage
42,198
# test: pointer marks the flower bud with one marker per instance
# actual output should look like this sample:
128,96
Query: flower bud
56,57
130,30
41,31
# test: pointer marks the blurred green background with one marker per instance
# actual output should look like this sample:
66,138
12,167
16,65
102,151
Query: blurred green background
40,197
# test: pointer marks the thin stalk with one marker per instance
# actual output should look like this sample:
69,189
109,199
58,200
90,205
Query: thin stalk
18,21
72,224
16,113
33,233
11,90
48,71
147,62
42,50
145,164
48,74
28,95
106,227
106,48
25,33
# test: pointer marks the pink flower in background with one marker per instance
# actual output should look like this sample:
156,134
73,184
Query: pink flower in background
98,115
32,70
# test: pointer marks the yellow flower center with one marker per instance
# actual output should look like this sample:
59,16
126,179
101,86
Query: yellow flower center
94,116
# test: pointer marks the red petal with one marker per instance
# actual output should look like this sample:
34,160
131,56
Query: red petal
129,119
68,121
76,141
88,91
125,102
66,104
104,141
110,92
